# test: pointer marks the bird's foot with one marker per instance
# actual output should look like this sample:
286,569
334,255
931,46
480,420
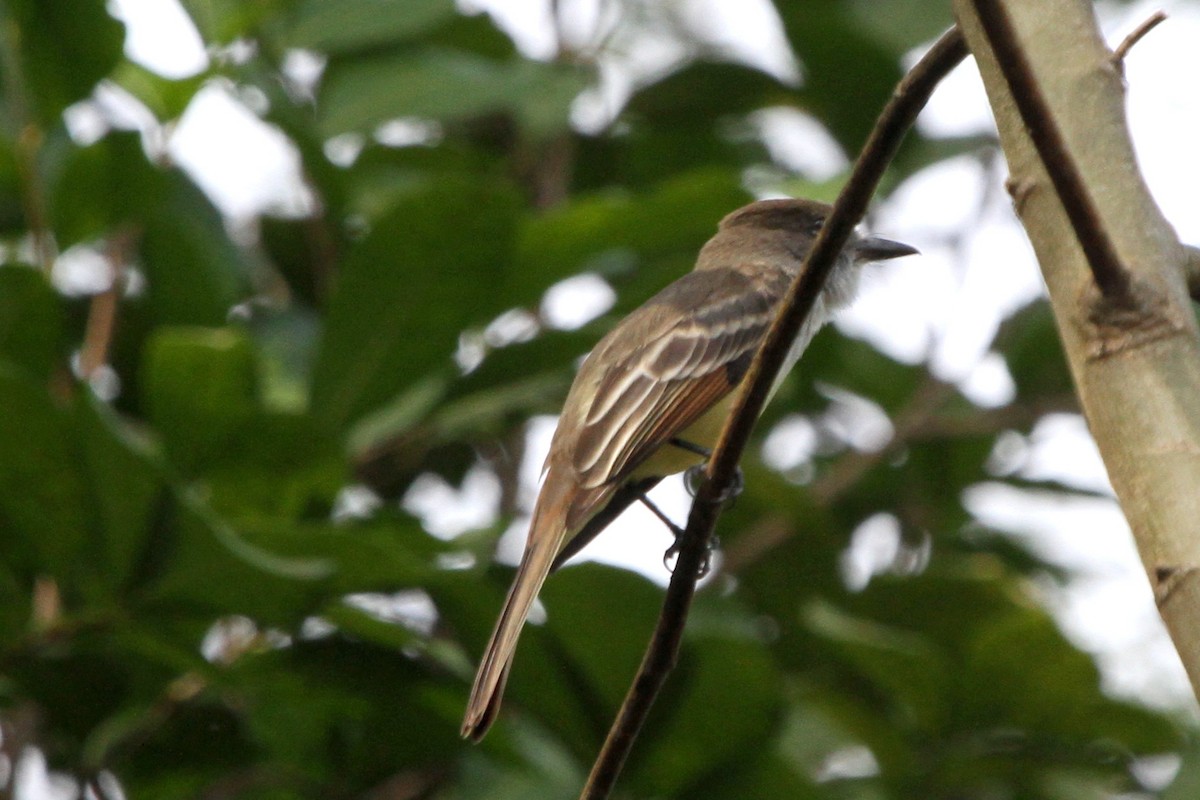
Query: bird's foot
695,477
673,551
677,532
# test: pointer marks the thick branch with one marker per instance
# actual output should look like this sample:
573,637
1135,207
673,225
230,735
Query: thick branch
1057,160
910,97
1136,370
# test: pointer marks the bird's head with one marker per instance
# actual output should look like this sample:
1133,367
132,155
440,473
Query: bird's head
796,222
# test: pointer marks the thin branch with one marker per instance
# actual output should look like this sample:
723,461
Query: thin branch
102,313
992,421
92,784
916,422
850,468
322,244
560,34
28,138
1135,36
1107,269
844,473
907,101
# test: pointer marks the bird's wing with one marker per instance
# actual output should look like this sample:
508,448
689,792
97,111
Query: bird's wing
680,368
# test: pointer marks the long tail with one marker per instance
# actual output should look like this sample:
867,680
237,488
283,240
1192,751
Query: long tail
546,534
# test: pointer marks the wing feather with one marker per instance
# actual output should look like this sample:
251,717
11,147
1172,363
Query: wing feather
667,364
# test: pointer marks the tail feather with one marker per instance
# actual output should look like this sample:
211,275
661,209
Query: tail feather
497,656
547,531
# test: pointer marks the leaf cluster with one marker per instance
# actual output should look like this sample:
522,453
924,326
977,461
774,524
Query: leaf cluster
193,604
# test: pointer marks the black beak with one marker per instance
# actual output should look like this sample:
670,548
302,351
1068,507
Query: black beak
876,248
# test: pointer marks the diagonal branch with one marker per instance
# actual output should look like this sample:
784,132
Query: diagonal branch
897,117
1056,157
1137,374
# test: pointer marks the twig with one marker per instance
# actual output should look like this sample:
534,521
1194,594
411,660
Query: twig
92,784
1135,36
916,422
992,421
560,33
907,101
844,473
102,313
322,245
28,138
1109,273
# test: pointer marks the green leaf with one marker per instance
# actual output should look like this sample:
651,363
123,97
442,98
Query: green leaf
1041,683
200,387
351,25
31,322
425,271
302,263
379,555
719,710
619,607
127,489
194,272
86,198
338,710
854,365
705,91
166,98
359,94
902,24
659,232
204,568
44,499
903,665
277,467
474,33
1030,343
223,21
148,742
382,175
63,49
286,343
840,60
362,625
761,773
1187,784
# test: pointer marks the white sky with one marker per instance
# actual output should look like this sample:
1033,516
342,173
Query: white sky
938,306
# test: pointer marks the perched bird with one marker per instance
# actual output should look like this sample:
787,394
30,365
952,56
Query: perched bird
652,396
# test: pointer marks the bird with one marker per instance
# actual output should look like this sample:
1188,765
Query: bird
652,396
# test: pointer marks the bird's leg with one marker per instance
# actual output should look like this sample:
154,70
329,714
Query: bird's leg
691,447
693,477
677,532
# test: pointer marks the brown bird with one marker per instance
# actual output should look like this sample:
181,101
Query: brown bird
652,396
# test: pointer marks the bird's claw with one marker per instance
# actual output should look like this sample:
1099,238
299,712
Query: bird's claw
694,478
673,551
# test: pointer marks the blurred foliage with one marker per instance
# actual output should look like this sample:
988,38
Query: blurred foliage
195,601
